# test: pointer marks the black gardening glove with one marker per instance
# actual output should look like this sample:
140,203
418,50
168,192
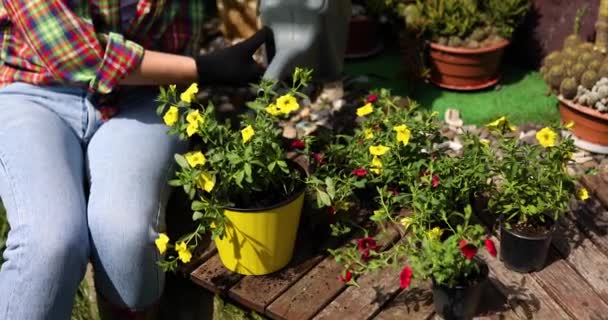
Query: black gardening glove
233,66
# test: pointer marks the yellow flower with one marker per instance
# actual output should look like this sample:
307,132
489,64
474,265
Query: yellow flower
369,134
497,123
183,252
196,158
287,104
485,142
546,137
365,110
403,134
570,125
378,150
247,133
212,225
513,128
406,222
191,129
273,110
161,243
583,194
376,165
171,116
194,118
189,94
206,181
434,233
434,114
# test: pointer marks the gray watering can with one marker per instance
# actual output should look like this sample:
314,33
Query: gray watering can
307,33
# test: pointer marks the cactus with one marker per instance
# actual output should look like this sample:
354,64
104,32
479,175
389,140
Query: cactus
594,65
577,71
455,41
554,58
556,76
568,63
603,72
572,41
585,46
568,88
585,57
589,78
479,34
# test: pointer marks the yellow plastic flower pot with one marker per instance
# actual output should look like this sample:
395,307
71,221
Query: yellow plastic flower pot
260,241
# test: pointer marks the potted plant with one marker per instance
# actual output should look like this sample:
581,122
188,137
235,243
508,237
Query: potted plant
578,74
390,143
466,37
243,188
364,36
532,190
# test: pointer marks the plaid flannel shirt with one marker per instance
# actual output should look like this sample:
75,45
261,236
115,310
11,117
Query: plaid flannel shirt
49,42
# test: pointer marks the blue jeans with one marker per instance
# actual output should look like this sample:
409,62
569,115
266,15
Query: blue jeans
78,189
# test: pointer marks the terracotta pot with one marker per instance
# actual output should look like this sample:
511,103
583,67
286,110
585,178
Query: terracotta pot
590,125
465,69
364,38
239,18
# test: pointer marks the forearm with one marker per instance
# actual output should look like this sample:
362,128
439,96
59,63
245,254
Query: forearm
158,68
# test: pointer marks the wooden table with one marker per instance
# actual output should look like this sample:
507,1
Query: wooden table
573,285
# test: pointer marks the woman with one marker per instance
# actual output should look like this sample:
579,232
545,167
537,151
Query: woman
84,160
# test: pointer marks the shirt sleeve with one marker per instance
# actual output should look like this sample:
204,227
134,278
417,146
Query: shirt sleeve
69,47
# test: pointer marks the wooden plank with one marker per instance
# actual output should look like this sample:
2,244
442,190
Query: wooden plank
317,288
583,255
414,303
592,220
525,295
597,186
571,291
375,289
258,292
494,305
213,276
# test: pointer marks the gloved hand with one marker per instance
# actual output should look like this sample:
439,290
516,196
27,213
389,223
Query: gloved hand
233,66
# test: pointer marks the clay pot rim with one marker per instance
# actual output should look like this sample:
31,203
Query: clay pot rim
583,109
495,47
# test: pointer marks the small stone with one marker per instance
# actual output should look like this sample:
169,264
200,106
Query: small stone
320,115
305,128
589,165
289,132
581,157
337,105
452,118
305,112
332,91
528,137
603,166
448,133
226,107
574,171
472,129
484,133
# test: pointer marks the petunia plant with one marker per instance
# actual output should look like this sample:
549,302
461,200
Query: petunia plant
391,144
532,183
244,166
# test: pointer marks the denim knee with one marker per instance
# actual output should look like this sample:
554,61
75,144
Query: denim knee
124,257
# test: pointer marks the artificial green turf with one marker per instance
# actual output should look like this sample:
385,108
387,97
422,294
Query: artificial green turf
520,96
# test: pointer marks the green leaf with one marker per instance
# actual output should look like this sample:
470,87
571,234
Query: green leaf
176,183
247,169
181,161
323,198
330,187
197,205
271,166
197,215
238,178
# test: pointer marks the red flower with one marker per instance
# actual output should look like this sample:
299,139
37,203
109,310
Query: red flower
346,277
468,250
331,210
394,191
366,244
365,255
359,172
298,144
405,278
491,247
435,181
319,159
371,98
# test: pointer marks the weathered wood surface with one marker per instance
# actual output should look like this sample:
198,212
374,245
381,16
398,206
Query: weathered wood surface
573,285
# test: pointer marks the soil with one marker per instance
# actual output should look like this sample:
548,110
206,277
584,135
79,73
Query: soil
531,229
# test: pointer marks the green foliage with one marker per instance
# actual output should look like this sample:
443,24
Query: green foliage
446,18
531,181
233,167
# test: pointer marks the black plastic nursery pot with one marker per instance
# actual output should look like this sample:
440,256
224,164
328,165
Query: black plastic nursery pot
460,302
525,252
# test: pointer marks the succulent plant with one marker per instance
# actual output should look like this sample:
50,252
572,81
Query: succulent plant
571,53
603,72
594,65
454,41
479,34
568,88
585,46
572,41
589,78
585,57
576,71
552,59
555,76
568,63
